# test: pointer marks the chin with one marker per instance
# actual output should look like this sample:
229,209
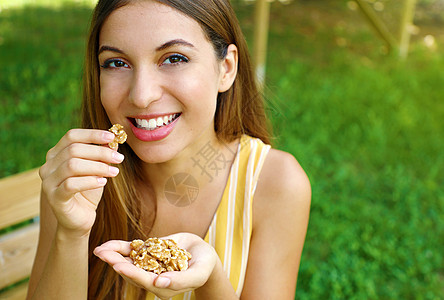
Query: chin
155,157
156,153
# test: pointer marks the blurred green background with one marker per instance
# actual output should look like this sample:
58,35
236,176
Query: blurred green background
366,126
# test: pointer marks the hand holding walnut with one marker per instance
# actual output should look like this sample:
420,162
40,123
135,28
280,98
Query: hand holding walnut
166,284
74,175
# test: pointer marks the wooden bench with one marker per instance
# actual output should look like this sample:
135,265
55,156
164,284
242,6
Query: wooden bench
19,211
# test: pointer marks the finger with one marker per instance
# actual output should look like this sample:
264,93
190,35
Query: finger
110,253
113,258
113,252
90,152
76,167
83,151
200,267
121,247
58,180
182,280
161,285
135,274
86,136
129,280
123,267
75,185
143,279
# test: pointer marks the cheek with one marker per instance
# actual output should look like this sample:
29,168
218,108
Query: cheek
111,94
200,90
200,100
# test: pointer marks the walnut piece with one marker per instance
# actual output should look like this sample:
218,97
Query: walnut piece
158,256
120,138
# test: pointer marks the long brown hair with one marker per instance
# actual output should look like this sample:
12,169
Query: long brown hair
240,110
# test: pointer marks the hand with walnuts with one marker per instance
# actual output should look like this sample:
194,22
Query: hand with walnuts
165,267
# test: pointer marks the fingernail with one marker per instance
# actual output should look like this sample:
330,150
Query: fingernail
117,269
109,136
118,157
96,251
162,282
101,181
113,170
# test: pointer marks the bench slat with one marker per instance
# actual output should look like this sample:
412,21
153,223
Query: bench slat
17,252
20,196
16,293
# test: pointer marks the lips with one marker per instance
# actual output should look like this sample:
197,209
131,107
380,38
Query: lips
150,129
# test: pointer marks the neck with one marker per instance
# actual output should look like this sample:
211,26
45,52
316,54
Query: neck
203,160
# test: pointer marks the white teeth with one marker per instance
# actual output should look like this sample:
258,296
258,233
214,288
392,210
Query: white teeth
151,124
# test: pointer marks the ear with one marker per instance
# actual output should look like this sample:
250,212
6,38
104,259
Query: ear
228,69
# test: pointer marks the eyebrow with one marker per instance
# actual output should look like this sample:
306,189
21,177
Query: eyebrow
175,42
164,46
109,48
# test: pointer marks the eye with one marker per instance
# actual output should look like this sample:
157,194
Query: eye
114,64
175,59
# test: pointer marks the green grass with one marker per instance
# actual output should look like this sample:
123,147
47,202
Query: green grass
42,56
365,126
7,4
368,130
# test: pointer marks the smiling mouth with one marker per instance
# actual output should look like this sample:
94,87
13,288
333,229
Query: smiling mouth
155,123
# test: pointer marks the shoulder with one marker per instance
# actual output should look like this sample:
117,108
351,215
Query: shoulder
281,208
283,185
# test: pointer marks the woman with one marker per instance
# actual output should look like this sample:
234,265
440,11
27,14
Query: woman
196,166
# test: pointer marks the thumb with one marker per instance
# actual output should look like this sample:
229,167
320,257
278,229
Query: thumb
162,282
182,280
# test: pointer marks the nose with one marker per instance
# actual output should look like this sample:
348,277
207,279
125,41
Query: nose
145,88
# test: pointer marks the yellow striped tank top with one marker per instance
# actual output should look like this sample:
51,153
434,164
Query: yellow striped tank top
231,227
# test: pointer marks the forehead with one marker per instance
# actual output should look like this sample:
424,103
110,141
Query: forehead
149,22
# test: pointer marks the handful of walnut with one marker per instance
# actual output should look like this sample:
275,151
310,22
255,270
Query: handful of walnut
158,256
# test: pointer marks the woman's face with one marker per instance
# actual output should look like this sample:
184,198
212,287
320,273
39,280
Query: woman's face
160,77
